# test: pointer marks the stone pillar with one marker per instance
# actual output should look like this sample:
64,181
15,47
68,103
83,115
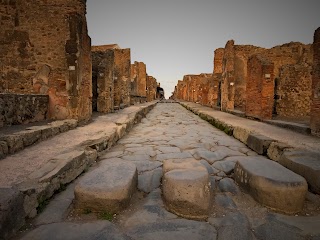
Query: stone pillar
227,101
260,87
46,50
122,68
218,60
315,106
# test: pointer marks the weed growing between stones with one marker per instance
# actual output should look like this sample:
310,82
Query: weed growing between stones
106,216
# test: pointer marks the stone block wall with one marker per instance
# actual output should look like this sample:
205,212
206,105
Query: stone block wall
315,106
45,49
218,60
22,108
139,79
102,79
260,87
151,88
293,91
122,68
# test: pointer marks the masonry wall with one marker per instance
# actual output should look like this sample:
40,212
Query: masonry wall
45,49
151,88
218,60
315,106
102,80
260,87
22,108
138,82
122,68
293,91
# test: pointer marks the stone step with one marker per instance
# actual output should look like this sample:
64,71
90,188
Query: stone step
12,141
187,192
271,184
108,188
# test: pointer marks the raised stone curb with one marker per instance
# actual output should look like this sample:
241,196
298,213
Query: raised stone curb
264,145
187,192
272,185
306,164
12,143
108,188
259,143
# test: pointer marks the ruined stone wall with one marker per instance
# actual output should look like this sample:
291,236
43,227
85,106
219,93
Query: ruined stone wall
22,108
315,106
138,80
122,68
213,93
293,91
227,82
260,87
45,49
218,60
151,88
102,80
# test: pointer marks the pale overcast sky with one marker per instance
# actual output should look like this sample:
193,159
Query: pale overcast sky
178,37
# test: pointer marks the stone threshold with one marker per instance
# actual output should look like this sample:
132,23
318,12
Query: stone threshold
22,201
304,162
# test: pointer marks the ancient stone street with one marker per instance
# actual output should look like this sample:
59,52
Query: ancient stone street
175,176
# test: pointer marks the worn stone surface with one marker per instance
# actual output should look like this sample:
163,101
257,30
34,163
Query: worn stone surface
228,185
69,231
272,185
108,188
12,215
179,229
259,143
150,180
276,150
174,164
306,164
187,192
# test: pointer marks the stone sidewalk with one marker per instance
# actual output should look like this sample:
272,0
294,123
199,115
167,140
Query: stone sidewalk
31,176
180,161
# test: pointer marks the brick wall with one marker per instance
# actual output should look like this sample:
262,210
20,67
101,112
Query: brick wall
22,108
293,91
315,106
45,49
260,87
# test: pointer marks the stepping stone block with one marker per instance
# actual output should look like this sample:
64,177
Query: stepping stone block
108,188
187,192
306,164
174,164
272,185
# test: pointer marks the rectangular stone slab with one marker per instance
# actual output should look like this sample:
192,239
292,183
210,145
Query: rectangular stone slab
107,188
271,184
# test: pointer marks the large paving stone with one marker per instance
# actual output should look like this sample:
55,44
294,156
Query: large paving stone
178,229
235,232
228,185
150,180
174,164
187,192
272,184
166,156
81,231
11,212
108,188
306,164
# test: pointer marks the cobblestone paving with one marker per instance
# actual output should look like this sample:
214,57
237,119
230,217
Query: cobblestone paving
171,132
